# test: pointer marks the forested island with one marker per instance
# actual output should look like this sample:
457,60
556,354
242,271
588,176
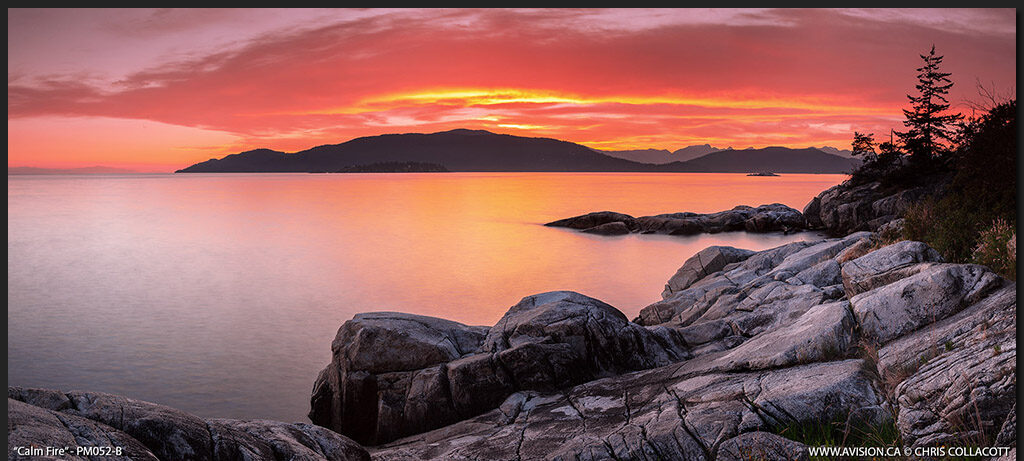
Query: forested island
393,167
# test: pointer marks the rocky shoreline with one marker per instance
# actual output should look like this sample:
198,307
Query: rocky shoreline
742,346
862,340
765,218
839,210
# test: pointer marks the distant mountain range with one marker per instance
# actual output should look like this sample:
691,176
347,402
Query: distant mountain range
771,159
478,150
662,156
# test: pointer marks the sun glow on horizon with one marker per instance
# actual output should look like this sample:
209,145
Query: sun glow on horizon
472,97
606,79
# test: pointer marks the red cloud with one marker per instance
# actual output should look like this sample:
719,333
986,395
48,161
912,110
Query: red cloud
792,77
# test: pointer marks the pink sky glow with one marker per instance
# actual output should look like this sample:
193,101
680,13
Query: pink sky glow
158,90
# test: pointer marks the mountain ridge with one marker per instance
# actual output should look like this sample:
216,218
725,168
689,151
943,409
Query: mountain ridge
460,150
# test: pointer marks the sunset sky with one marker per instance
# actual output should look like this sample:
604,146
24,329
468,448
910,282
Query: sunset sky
158,90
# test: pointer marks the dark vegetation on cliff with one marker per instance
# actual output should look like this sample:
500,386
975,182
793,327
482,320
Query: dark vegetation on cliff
395,167
973,218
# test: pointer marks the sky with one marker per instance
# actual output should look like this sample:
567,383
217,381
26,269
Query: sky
156,90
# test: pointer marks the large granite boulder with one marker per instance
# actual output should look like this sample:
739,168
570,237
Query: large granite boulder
440,372
380,342
385,368
594,338
812,213
147,430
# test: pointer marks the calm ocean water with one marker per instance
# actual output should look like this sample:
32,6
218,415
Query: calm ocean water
220,294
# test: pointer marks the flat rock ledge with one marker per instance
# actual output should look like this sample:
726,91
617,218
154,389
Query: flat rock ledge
141,430
765,218
743,347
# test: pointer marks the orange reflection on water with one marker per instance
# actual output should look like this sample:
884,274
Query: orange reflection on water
233,286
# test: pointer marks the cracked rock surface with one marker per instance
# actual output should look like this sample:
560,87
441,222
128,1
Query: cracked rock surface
851,206
763,341
546,342
146,431
743,347
666,413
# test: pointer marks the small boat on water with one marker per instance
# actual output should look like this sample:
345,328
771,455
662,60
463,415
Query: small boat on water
763,173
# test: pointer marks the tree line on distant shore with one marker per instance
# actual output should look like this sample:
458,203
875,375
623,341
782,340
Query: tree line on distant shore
974,219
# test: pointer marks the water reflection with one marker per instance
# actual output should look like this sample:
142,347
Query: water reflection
220,294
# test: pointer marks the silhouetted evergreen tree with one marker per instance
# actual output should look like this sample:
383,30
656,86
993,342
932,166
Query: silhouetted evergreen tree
864,145
928,126
889,154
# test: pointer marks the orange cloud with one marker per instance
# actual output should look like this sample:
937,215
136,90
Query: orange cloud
608,79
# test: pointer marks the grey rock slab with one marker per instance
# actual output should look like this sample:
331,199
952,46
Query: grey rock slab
30,426
167,432
902,356
689,304
934,293
811,255
294,441
707,261
857,249
149,431
661,413
961,391
1007,435
759,445
825,332
886,265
